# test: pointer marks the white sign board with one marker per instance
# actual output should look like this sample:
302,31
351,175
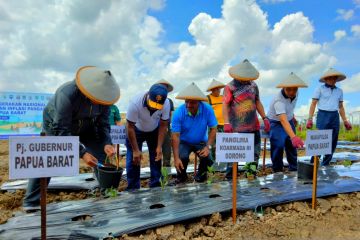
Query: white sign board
234,147
118,134
35,157
318,142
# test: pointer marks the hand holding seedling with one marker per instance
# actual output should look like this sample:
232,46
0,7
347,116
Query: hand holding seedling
178,164
158,154
109,150
90,159
137,157
203,152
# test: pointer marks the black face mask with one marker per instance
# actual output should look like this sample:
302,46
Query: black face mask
329,86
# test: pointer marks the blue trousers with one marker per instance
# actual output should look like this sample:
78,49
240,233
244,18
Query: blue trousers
328,120
32,195
184,151
279,140
133,171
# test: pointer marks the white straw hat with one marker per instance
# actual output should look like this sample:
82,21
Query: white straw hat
98,85
169,86
244,71
191,92
292,81
331,73
215,84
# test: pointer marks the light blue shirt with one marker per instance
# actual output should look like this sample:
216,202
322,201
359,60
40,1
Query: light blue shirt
281,104
328,99
193,129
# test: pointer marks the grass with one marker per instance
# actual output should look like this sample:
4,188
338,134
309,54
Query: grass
344,135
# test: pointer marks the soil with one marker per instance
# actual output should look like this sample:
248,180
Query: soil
336,217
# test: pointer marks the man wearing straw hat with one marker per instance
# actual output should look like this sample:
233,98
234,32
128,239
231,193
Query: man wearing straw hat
216,102
80,108
147,120
241,104
166,147
329,99
282,131
189,132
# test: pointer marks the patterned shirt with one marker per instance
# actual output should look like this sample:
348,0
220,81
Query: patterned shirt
241,98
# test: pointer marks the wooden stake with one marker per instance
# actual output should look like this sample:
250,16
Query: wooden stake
234,177
314,183
264,155
118,151
195,165
43,186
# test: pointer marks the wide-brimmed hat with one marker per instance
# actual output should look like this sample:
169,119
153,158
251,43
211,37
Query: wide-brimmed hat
244,71
98,85
157,96
292,81
169,86
191,92
331,73
215,84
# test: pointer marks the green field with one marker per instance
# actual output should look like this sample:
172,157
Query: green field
353,135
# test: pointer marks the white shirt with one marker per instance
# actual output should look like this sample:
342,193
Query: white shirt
328,99
140,114
282,105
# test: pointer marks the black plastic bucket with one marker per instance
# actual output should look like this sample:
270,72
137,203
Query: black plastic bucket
109,176
305,171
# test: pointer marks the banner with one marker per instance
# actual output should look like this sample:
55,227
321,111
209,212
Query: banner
21,113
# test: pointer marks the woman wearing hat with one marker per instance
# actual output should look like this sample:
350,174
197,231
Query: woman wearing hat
241,104
216,102
189,132
329,99
80,108
282,131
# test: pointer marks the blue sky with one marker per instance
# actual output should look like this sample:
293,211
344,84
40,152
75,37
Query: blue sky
44,42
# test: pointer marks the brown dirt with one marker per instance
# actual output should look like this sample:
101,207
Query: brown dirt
336,217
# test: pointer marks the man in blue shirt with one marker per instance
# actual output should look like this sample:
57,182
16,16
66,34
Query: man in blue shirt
189,132
329,99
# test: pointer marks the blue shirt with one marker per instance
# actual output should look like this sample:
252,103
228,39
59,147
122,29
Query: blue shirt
193,129
328,99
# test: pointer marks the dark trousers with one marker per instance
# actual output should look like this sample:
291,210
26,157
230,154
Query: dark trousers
220,129
279,140
328,120
133,171
32,195
184,151
257,149
166,149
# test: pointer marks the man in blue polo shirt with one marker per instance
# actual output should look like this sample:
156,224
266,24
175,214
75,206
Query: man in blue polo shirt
189,132
147,120
329,99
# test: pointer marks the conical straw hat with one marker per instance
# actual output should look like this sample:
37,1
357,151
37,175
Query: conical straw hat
98,85
168,85
191,92
215,84
332,72
292,81
244,71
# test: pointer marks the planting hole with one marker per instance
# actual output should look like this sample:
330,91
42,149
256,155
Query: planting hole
157,205
265,189
214,196
307,182
81,218
89,179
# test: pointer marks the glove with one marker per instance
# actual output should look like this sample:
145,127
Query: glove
228,128
347,125
266,124
309,124
295,121
297,142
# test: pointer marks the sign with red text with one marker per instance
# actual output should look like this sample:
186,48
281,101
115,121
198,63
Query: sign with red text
234,147
50,156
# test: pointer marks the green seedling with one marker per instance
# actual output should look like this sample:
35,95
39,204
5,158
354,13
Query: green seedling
111,192
211,174
250,169
164,179
347,163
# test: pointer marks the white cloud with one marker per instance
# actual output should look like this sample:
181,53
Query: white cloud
355,29
357,3
351,84
339,34
345,14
